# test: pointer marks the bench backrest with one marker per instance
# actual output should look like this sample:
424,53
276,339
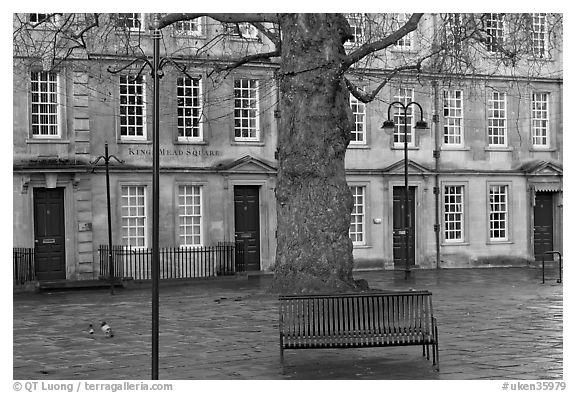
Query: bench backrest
362,313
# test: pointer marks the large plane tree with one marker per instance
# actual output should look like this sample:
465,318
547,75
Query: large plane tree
316,74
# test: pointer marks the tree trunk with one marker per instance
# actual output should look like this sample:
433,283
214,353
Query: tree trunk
314,203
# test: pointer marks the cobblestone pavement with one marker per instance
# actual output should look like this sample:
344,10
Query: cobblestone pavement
493,323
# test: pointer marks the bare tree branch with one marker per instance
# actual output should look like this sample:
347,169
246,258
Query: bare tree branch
371,47
168,19
364,97
274,37
244,60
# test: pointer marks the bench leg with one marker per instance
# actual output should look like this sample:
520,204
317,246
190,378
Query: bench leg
427,351
436,348
281,355
423,349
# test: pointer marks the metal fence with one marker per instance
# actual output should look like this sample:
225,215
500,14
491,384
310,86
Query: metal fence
24,270
175,262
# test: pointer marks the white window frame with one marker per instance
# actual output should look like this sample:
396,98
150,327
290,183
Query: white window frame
44,103
497,119
134,221
453,106
454,213
190,212
136,16
358,134
247,110
245,31
540,43
357,230
495,31
498,212
356,22
189,109
406,42
540,116
125,80
189,28
54,20
404,98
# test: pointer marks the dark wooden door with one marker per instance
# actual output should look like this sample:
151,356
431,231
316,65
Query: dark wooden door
399,231
49,233
543,226
247,224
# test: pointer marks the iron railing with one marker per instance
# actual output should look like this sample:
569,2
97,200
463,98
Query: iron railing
175,262
23,261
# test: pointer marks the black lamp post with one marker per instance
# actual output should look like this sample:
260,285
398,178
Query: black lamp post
106,157
421,124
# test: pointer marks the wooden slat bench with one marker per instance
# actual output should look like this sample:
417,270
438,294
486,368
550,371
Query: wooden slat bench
355,320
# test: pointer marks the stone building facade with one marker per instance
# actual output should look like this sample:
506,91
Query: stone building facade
485,178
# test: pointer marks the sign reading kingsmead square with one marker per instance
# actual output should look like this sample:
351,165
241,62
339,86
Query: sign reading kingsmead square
189,152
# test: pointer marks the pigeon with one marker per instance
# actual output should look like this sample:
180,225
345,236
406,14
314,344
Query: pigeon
106,329
90,329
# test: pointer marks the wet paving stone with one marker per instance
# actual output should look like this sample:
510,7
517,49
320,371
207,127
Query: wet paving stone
493,324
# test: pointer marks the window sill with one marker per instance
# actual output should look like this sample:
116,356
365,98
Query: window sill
247,143
447,244
358,146
410,49
502,149
133,142
542,149
49,141
454,148
198,142
361,246
495,243
199,36
542,59
397,147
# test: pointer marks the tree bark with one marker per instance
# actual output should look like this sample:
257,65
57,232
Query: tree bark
314,252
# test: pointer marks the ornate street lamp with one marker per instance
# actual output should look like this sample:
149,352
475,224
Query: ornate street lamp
421,124
107,157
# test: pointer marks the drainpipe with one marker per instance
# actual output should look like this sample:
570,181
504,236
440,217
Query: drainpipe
436,153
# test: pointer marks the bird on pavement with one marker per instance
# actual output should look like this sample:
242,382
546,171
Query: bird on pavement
106,329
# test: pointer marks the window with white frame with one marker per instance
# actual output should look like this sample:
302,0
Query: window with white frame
246,110
497,135
48,20
357,230
539,36
358,134
405,96
453,117
133,202
189,98
44,100
37,18
540,120
190,215
130,21
242,30
193,27
498,219
132,107
453,213
405,42
356,22
495,32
